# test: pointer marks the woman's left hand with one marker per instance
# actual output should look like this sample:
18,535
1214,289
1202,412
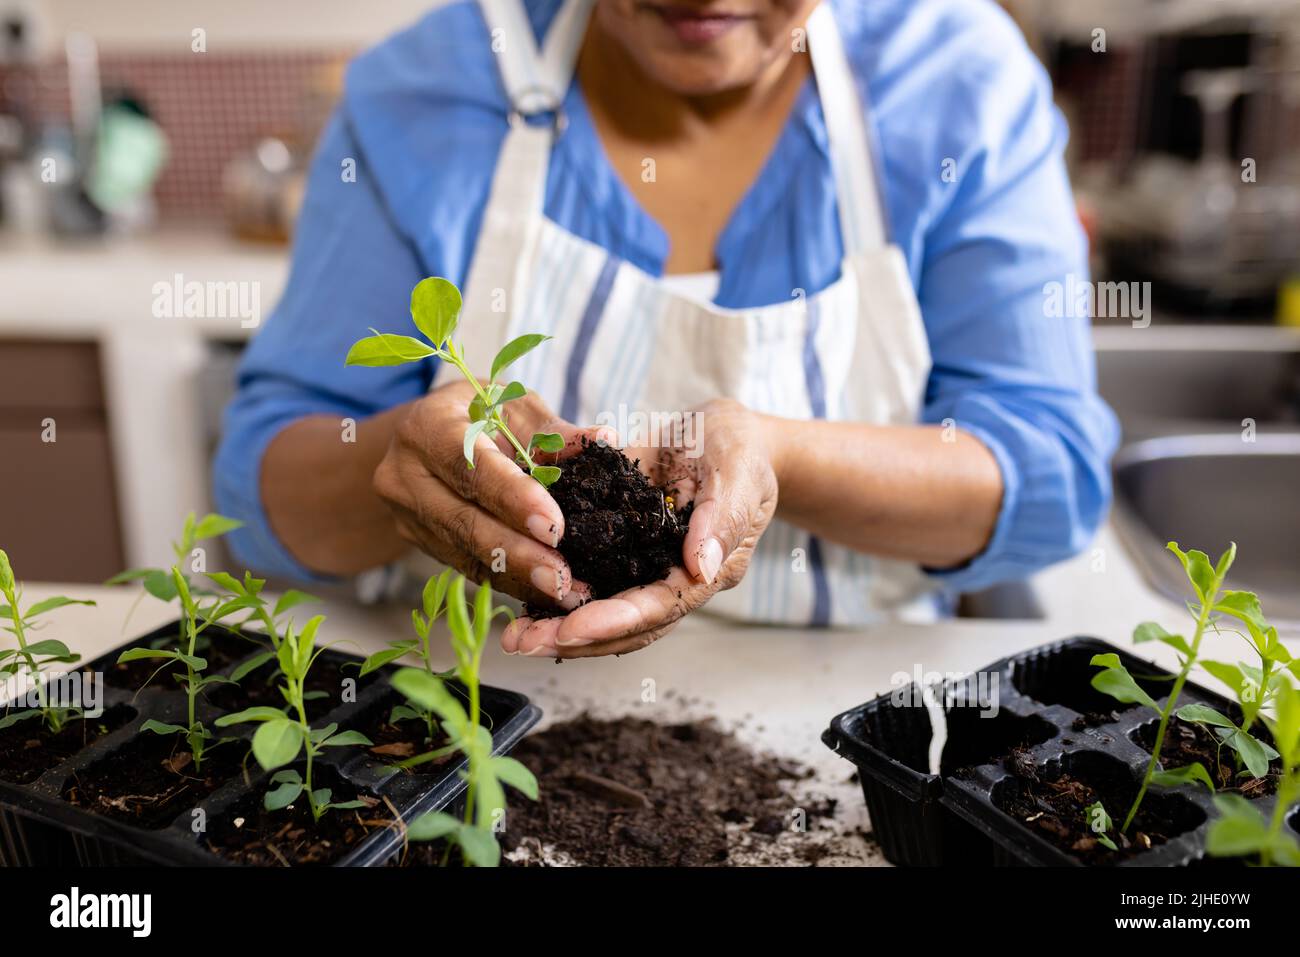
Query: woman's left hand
730,475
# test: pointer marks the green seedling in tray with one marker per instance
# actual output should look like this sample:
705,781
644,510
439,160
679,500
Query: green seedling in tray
1213,604
435,309
486,774
285,733
30,656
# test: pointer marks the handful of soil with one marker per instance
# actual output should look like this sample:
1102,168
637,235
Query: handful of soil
620,531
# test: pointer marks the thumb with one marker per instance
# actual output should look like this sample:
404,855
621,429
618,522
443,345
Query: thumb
715,528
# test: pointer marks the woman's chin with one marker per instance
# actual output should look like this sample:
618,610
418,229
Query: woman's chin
695,73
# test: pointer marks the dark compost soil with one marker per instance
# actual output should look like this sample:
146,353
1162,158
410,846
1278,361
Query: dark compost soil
249,834
620,531
151,780
635,793
1186,743
1054,804
28,749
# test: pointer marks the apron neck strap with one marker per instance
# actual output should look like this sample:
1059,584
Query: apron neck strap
535,81
862,219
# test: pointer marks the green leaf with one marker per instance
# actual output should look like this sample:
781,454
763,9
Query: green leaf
1118,683
251,665
49,604
1204,714
426,691
401,712
1254,753
344,805
130,575
547,441
482,614
1198,568
1245,607
1105,841
284,794
431,826
515,390
49,646
214,526
387,350
135,654
1286,726
489,798
515,774
162,727
435,594
545,474
1239,829
477,410
256,713
227,581
1230,674
1150,631
6,573
161,584
346,739
1188,773
479,845
277,742
389,654
292,599
513,350
471,436
435,308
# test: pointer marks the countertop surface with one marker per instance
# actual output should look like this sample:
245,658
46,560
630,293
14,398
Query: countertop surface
79,289
777,688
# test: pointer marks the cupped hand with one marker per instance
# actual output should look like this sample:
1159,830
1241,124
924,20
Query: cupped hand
730,476
492,522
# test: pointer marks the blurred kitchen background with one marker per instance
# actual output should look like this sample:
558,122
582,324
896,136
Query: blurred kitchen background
150,140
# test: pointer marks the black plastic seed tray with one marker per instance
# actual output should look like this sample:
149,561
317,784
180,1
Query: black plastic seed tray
38,827
1048,710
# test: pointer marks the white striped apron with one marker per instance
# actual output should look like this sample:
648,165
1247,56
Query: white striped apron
856,351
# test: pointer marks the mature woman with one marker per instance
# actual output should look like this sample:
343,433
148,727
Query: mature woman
823,228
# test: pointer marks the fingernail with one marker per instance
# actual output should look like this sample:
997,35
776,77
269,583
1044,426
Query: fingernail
607,435
574,599
543,529
539,652
549,580
572,642
710,560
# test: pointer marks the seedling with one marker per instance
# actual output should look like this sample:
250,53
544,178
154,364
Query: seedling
486,774
1241,830
1100,823
30,656
434,604
173,584
435,309
286,733
1207,583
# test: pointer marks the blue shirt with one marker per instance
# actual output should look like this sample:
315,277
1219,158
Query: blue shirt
969,149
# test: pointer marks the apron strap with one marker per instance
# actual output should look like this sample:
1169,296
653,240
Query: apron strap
535,82
862,220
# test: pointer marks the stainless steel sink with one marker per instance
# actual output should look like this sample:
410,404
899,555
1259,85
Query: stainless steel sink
1204,491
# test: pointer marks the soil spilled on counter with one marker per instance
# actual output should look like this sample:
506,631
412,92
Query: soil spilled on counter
632,792
620,530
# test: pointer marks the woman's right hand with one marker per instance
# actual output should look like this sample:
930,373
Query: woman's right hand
494,521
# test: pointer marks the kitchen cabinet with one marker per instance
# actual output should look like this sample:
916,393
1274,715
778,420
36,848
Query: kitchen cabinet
59,518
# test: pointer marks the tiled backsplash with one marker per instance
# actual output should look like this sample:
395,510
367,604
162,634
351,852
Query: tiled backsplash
212,106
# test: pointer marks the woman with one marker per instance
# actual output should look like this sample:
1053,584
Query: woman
725,206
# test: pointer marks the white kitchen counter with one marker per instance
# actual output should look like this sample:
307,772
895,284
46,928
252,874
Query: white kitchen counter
776,687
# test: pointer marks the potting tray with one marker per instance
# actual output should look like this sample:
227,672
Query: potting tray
1048,712
39,827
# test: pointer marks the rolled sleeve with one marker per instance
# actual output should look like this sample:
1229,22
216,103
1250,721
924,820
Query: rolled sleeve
351,270
1007,369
